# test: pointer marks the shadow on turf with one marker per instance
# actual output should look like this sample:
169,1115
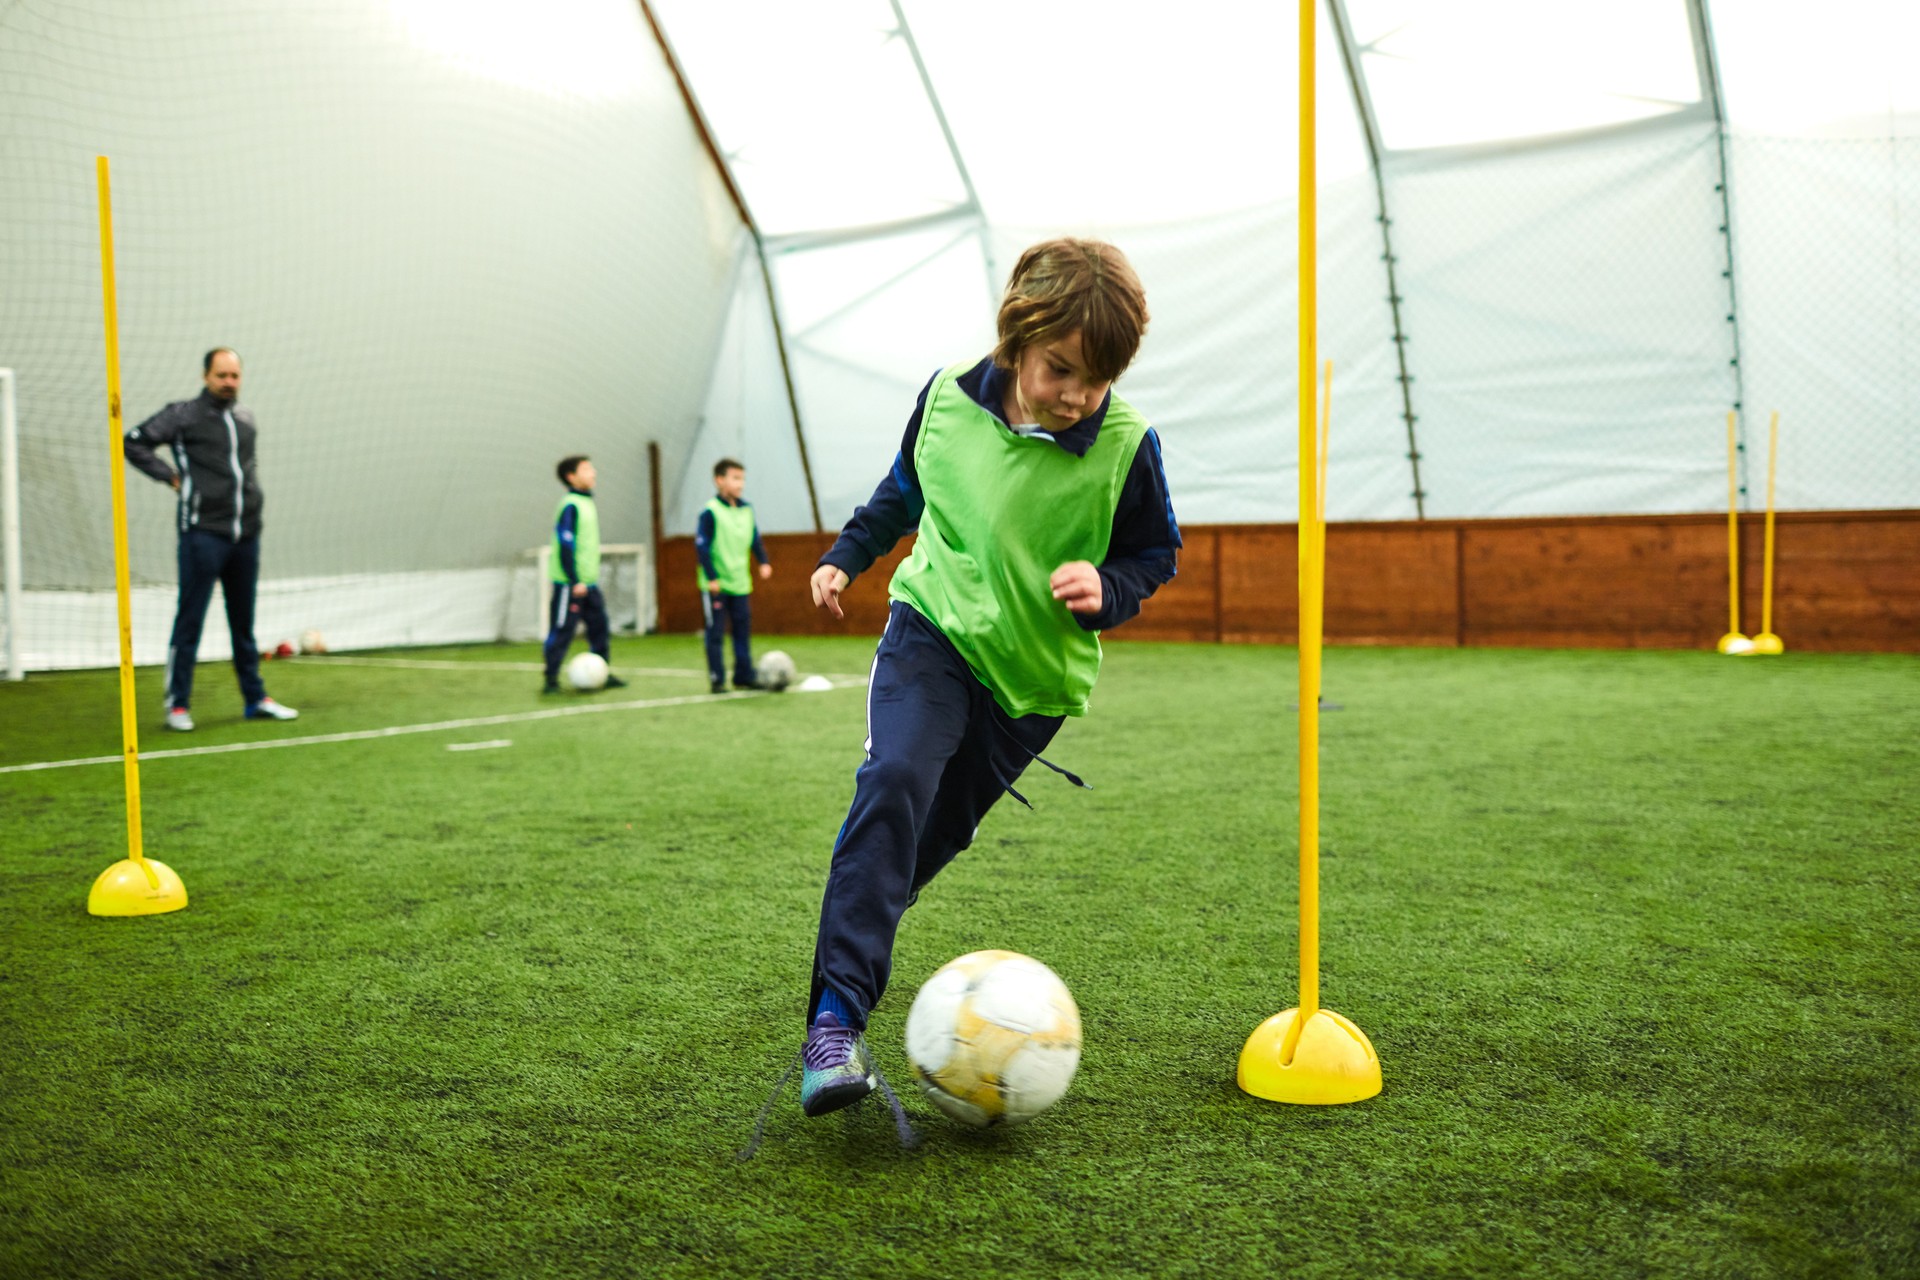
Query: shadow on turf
867,1134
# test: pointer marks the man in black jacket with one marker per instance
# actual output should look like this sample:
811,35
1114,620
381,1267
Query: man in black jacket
211,438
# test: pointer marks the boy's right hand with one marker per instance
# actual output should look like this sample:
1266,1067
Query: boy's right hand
828,583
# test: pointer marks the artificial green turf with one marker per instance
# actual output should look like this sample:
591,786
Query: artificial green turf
1632,932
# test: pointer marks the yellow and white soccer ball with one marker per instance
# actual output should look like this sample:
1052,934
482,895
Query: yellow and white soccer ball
994,1038
587,671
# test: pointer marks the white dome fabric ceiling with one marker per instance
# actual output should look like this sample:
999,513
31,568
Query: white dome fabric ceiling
459,238
1578,311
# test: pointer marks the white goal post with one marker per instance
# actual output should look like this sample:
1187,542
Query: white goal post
626,580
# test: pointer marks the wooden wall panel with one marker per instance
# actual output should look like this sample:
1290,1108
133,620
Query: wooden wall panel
1840,582
1634,586
1847,580
1259,593
1392,584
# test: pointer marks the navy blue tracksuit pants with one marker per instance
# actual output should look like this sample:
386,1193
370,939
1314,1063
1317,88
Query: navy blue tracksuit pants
722,610
940,751
565,614
206,559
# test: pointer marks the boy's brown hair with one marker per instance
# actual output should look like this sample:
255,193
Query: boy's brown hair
1062,285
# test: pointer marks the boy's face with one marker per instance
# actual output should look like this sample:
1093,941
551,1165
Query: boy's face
731,483
583,476
1052,386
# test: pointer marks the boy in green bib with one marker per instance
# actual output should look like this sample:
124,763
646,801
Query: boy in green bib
573,565
722,540
1043,520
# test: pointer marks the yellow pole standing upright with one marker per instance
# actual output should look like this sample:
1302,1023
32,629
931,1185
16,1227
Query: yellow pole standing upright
1310,598
136,885
1320,492
1734,641
1326,429
1309,1054
1766,642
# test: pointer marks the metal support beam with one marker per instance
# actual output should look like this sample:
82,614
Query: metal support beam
1709,70
953,149
699,119
1370,127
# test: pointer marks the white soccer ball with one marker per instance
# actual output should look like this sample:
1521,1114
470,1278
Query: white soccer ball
587,671
312,642
994,1038
776,671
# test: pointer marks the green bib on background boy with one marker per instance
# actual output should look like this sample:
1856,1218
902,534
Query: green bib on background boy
586,541
1003,511
732,541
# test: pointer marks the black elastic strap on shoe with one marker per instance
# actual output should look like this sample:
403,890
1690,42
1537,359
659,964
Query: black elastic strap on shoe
760,1122
908,1138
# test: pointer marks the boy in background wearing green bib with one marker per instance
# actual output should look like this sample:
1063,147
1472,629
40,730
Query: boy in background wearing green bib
722,540
574,568
1043,519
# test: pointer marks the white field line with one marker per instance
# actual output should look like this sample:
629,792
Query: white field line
448,664
397,731
488,745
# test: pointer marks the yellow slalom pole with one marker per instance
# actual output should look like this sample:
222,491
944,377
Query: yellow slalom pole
137,885
1734,641
1767,642
1320,506
1309,1054
1320,510
1310,597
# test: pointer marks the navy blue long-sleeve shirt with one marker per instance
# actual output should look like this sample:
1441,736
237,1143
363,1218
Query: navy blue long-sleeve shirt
1140,554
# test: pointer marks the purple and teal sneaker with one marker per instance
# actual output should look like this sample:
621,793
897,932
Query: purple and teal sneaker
837,1071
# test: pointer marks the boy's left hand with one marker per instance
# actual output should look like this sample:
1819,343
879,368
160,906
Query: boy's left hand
1076,584
766,571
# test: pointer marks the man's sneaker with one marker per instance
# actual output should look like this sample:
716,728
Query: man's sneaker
179,719
551,686
718,686
615,682
268,709
751,682
837,1071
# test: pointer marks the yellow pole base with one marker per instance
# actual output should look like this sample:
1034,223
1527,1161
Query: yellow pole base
136,888
1334,1061
1768,644
1735,643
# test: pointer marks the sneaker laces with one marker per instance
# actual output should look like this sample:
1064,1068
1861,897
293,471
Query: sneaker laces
828,1044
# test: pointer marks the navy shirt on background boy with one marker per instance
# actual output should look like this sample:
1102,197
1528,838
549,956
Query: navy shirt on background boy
573,566
727,533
